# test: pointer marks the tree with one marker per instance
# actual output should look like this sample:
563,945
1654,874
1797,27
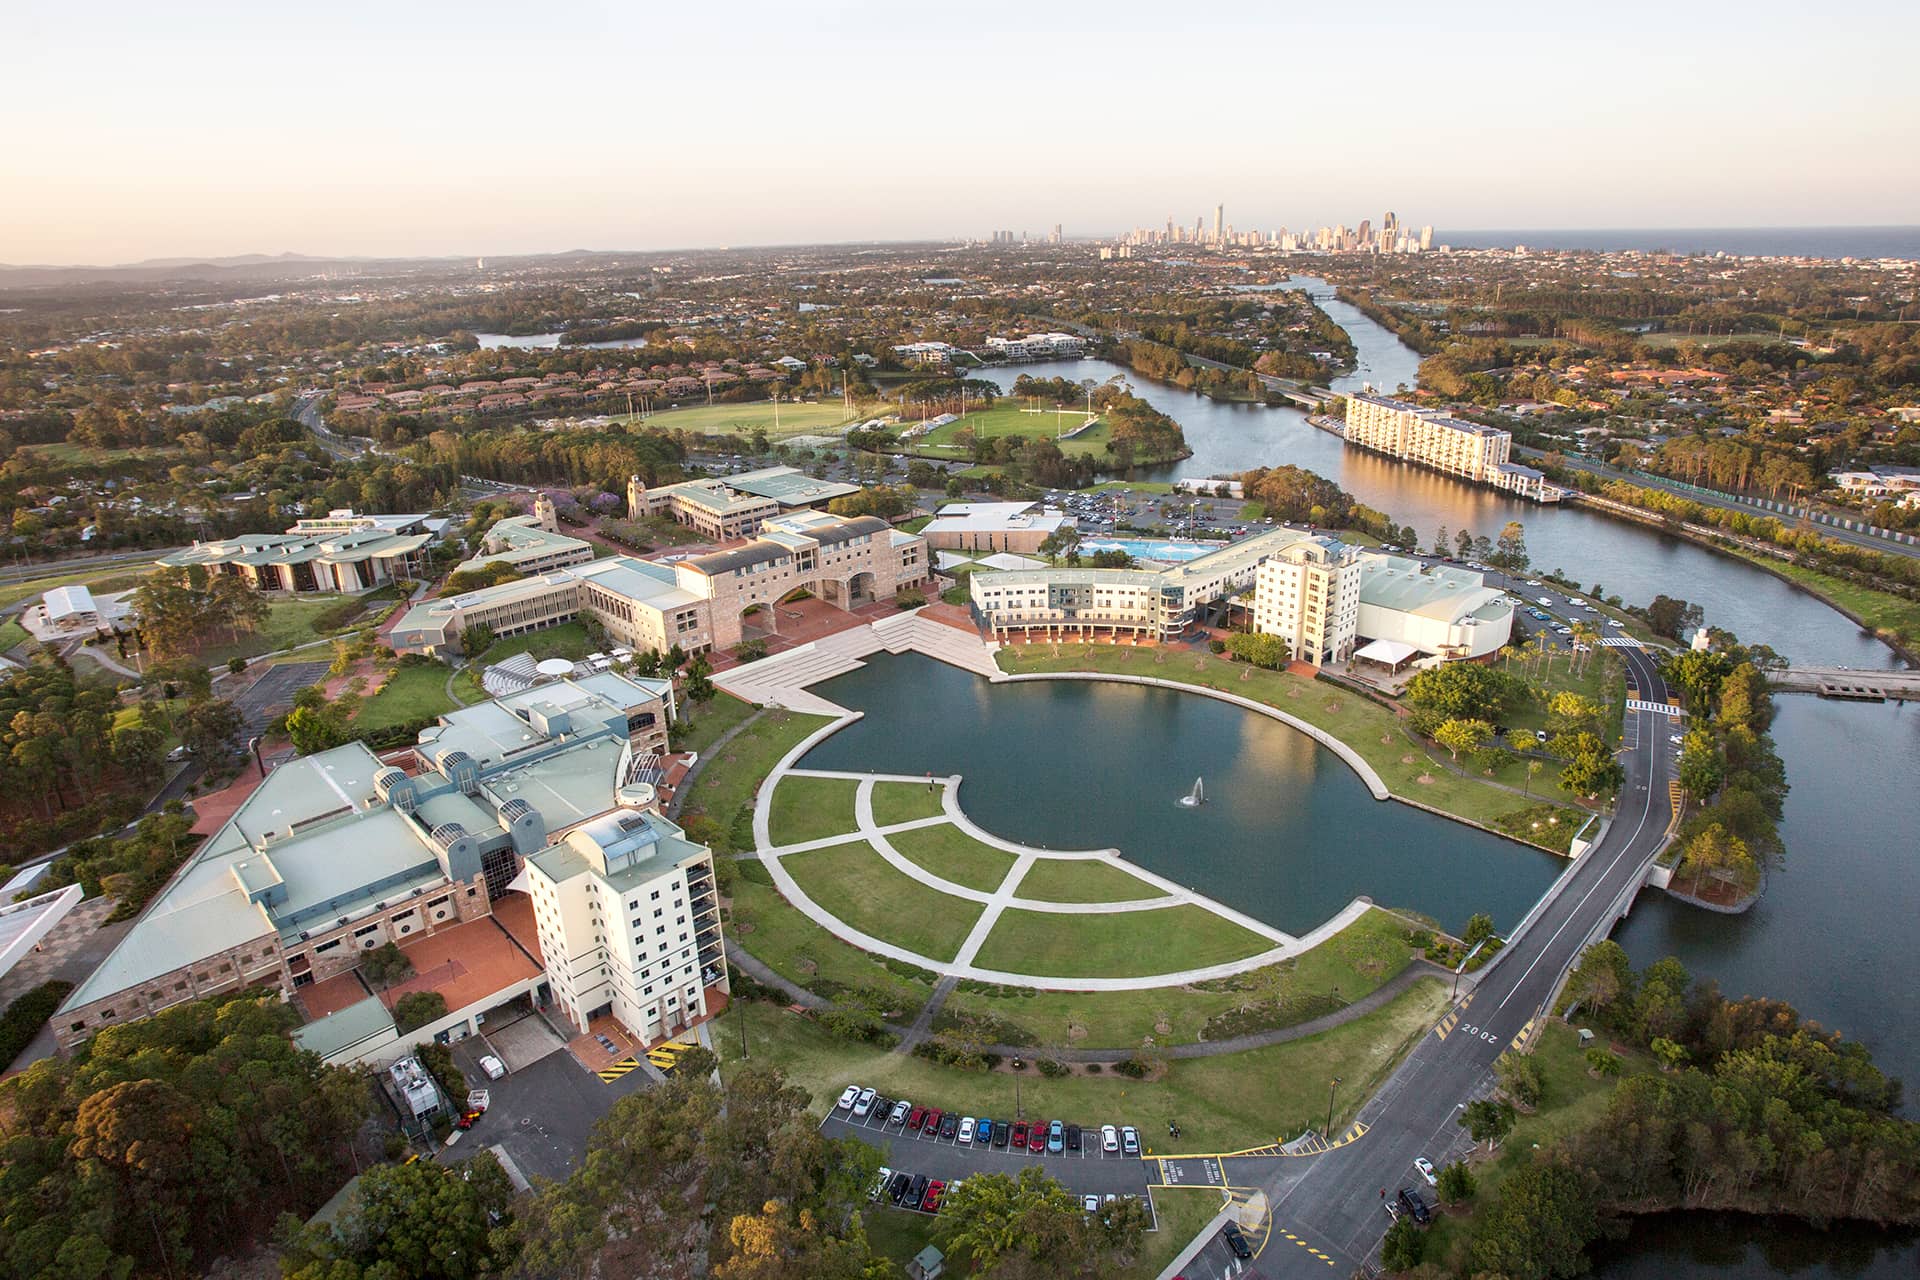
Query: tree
1456,1183
992,1217
385,965
1061,543
1539,1226
1603,976
1479,929
1701,770
1404,1247
475,640
1465,691
699,685
1265,651
1670,1053
1519,1075
1487,1121
416,1219
1463,735
417,1009
1511,548
212,728
1674,618
1440,545
318,728
1604,1062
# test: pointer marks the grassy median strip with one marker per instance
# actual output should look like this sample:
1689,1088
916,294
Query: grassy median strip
854,883
1222,1104
812,809
1121,944
906,801
952,854
1082,880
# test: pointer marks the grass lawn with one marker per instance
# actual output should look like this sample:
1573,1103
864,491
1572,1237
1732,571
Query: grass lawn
862,888
1367,727
1010,418
812,808
1340,970
1572,1101
724,788
895,802
1126,944
289,623
11,634
413,692
1080,880
63,452
799,950
1222,1104
99,581
952,854
744,418
706,721
568,640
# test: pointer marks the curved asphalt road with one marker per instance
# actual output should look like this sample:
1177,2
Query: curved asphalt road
1331,1202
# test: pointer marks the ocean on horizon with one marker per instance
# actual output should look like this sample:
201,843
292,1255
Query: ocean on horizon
1797,242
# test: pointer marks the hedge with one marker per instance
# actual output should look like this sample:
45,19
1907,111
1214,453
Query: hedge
26,1015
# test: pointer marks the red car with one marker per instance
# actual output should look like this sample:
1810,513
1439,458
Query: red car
929,1123
935,1190
1020,1136
914,1117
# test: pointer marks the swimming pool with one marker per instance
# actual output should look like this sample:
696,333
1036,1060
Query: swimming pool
1151,548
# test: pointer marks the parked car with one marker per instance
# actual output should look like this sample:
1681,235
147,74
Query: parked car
949,1125
914,1117
492,1066
882,1108
931,1201
901,1110
897,1189
880,1183
847,1098
1130,1140
930,1123
1056,1138
983,1131
863,1104
1411,1201
1236,1241
917,1191
1425,1166
1073,1137
1109,1138
1001,1132
966,1129
1020,1135
1090,1204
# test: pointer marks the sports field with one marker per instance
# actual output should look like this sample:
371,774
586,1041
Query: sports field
1010,418
795,419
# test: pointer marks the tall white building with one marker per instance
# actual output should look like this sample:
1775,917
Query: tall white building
629,923
1426,436
1309,595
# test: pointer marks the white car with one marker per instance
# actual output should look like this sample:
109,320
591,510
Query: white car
966,1129
1533,582
1109,1138
880,1183
864,1103
1576,602
1090,1204
1425,1166
901,1110
848,1098
1130,1140
493,1067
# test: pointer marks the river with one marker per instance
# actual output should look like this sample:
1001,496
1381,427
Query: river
1830,934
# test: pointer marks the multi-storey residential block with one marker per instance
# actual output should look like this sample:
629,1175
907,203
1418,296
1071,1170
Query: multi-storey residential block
1426,436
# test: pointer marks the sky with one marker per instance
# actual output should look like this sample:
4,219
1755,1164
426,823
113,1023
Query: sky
419,127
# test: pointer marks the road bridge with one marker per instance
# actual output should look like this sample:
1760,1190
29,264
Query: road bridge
1845,682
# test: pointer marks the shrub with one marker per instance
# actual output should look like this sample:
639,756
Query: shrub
1094,1068
1053,1068
26,1015
1456,1183
1132,1068
236,665
909,599
438,1060
1603,1062
750,650
1217,646
417,1009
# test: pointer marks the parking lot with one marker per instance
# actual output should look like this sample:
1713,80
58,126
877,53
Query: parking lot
1089,1171
273,692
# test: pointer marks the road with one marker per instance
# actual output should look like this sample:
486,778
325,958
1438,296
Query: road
1335,1205
1726,502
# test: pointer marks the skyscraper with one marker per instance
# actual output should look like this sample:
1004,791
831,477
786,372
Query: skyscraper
1219,224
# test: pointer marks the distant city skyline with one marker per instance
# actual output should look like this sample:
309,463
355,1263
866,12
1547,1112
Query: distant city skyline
442,129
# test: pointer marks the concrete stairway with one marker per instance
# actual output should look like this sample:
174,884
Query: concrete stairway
784,678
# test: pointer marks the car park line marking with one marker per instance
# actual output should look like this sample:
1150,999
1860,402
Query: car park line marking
617,1070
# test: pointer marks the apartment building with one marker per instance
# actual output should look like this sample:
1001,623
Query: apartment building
340,852
629,923
1426,436
345,551
724,508
698,603
1309,594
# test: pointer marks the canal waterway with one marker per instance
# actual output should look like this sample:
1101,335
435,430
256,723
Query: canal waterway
1289,834
1632,561
1832,933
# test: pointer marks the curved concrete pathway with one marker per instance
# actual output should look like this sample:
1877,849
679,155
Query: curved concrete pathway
1004,897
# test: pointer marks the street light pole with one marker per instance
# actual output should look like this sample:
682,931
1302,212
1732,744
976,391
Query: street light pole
1330,1089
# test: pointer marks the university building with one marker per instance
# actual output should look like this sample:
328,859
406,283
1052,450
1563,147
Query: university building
724,508
698,603
492,850
342,551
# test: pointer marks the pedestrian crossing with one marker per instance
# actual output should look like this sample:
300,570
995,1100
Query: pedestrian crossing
1620,642
1658,708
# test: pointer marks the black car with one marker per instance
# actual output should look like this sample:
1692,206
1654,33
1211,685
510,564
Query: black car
949,1125
1411,1201
917,1192
1001,1132
1236,1242
882,1106
1073,1137
897,1188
